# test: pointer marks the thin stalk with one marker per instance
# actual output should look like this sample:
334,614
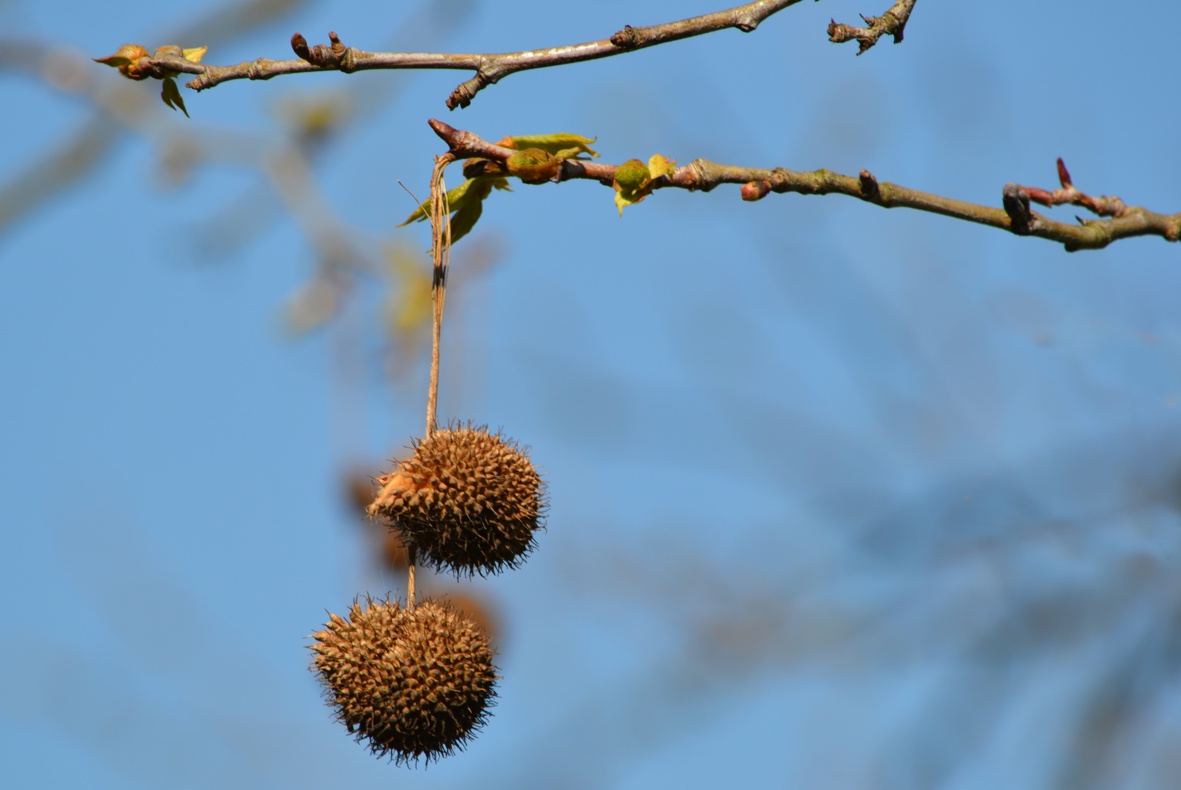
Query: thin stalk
412,552
441,258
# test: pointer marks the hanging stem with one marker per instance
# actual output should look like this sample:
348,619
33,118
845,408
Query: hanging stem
441,258
412,553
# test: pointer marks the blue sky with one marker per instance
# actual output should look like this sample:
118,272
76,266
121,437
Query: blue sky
840,497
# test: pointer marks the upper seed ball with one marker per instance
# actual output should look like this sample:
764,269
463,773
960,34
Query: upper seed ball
469,500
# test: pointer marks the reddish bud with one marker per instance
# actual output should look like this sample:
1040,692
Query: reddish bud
755,190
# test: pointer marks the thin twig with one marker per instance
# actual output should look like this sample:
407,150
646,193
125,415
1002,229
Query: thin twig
489,68
704,175
891,23
1103,205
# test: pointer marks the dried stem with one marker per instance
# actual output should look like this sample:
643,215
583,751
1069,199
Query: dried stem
489,68
1014,215
441,258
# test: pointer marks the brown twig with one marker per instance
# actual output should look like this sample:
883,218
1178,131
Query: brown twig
892,23
1102,206
489,68
1014,215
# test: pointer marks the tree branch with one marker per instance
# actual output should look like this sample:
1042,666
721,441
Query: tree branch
489,69
1014,216
892,23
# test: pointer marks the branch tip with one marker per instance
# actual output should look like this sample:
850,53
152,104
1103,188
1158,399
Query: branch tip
1064,175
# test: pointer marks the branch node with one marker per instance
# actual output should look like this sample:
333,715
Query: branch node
1016,203
332,56
747,24
627,38
755,190
870,188
462,96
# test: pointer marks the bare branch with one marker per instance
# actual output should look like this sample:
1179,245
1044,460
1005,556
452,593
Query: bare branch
1014,216
488,68
892,23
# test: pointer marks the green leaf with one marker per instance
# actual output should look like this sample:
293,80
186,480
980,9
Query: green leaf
466,202
115,61
126,60
634,179
562,145
465,219
171,96
659,166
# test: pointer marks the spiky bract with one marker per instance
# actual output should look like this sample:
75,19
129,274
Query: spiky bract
413,683
468,499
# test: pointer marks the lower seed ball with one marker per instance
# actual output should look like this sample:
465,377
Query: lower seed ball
468,499
412,683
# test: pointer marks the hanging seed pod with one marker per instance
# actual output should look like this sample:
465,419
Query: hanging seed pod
469,500
412,683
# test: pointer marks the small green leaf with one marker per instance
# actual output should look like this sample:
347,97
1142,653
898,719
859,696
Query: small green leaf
171,96
562,145
466,202
465,219
115,61
125,59
533,165
659,166
631,176
634,179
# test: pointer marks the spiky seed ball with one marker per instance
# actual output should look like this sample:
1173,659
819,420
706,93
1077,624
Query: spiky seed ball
413,683
469,500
